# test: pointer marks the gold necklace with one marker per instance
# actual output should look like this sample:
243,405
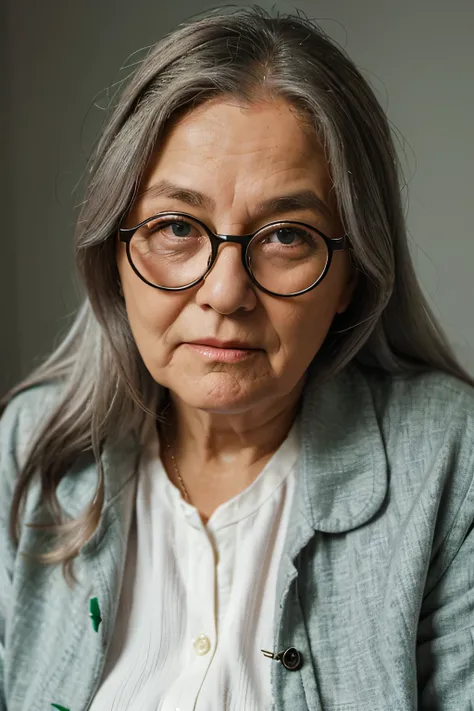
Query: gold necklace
184,491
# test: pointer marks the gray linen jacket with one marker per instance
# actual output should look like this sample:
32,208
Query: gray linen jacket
376,584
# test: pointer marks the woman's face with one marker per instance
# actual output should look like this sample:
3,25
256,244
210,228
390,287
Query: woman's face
226,159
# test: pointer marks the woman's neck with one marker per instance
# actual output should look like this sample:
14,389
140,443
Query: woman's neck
218,455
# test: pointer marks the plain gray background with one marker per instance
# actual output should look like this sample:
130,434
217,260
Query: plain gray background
61,55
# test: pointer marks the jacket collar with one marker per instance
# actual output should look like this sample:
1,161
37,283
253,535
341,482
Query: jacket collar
342,479
343,466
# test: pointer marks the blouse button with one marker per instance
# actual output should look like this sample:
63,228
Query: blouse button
291,659
202,645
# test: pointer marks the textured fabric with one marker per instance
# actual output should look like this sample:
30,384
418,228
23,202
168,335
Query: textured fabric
198,601
375,586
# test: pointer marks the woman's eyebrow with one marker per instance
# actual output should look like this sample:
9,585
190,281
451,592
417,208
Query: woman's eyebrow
302,200
191,197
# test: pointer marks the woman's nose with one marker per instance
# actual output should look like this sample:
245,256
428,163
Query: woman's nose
227,287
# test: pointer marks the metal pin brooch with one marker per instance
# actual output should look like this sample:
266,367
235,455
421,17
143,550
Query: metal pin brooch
290,658
94,613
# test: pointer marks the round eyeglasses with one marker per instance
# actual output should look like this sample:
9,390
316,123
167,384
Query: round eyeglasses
175,251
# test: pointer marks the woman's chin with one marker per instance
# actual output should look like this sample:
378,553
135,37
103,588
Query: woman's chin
221,393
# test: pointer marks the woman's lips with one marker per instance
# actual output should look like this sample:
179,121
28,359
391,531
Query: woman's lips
221,354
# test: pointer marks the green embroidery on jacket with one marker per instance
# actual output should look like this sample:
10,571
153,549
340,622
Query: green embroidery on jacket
95,613
60,708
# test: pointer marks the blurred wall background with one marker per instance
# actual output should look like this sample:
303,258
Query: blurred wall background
62,55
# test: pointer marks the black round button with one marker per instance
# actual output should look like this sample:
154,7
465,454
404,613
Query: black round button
291,659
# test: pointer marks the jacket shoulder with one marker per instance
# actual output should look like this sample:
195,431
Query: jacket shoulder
23,417
21,421
427,424
433,398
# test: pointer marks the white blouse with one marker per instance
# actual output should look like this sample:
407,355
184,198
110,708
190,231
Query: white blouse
198,601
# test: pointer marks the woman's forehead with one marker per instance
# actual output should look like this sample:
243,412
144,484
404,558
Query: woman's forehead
232,155
223,129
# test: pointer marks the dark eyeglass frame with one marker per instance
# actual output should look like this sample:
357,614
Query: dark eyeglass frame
333,245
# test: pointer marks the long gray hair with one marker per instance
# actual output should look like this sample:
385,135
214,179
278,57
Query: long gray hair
248,54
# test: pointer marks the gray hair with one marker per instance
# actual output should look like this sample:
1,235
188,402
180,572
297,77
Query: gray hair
247,54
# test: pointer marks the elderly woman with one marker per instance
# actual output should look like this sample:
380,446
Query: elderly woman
244,479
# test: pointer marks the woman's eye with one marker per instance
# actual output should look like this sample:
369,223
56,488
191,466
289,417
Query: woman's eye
288,237
180,229
171,229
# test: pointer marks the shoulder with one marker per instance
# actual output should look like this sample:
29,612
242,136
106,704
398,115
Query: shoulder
427,425
423,403
22,419
427,417
24,416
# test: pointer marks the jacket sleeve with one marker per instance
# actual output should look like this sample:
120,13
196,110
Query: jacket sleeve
18,425
445,650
